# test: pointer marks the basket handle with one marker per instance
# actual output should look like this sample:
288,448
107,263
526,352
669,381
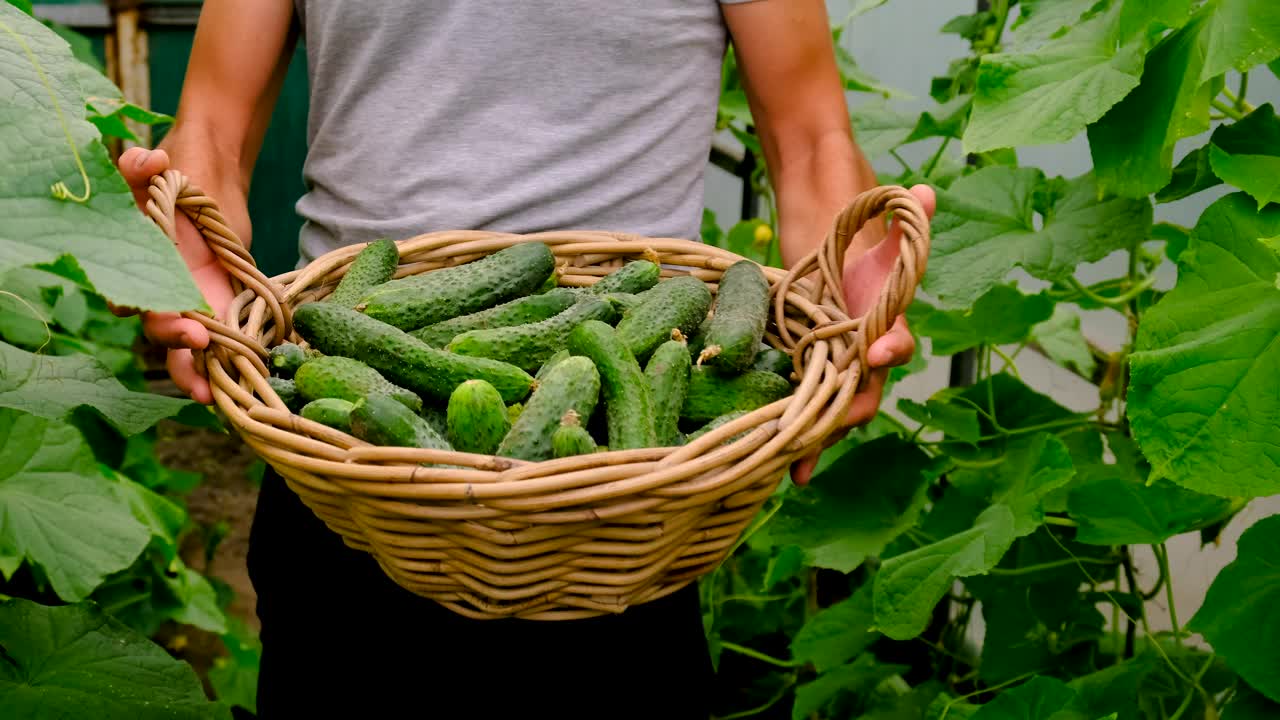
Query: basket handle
171,191
828,283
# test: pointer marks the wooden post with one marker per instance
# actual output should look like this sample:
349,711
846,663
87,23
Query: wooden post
132,71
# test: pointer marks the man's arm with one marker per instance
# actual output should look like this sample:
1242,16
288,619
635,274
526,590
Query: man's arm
788,70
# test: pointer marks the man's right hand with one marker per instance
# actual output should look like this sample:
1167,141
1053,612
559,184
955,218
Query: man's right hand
181,335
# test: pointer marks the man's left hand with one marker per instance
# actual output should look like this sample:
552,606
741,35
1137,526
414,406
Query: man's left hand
863,279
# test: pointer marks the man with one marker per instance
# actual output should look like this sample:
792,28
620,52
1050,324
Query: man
522,117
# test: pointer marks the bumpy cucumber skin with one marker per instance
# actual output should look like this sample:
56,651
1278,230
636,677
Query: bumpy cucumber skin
771,359
334,376
715,423
476,419
415,301
529,346
668,375
633,277
570,440
737,323
713,393
681,302
513,412
400,357
559,355
286,358
573,384
438,418
521,311
379,420
624,389
287,390
334,412
551,283
373,266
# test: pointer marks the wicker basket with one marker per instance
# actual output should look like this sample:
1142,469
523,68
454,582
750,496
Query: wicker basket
560,539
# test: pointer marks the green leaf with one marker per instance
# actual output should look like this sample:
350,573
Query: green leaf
985,227
53,386
77,662
235,676
1249,704
1040,698
1051,93
946,120
955,421
858,676
969,26
1117,688
742,240
1034,465
1121,510
838,633
1132,145
1001,316
1203,366
1030,628
23,5
1246,154
1237,617
849,511
57,511
1192,174
879,128
1240,34
125,255
1062,340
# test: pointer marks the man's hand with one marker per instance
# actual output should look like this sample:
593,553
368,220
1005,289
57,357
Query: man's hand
863,278
180,335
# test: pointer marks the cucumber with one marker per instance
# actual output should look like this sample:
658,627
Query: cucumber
738,319
552,282
334,412
668,376
335,376
287,390
529,346
561,354
633,277
698,338
627,399
379,420
712,393
571,438
522,310
286,358
513,412
622,302
572,385
715,423
476,419
415,301
400,357
771,359
438,418
679,303
374,265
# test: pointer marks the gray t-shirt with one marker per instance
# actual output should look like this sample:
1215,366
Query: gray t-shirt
518,116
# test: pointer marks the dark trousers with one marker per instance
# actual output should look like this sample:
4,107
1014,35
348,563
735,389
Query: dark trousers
342,640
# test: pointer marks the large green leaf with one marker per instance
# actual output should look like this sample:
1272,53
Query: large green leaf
1117,688
45,139
985,227
1204,396
856,677
1001,316
837,634
879,127
57,511
1031,627
1246,154
1040,698
1132,145
75,661
1061,338
1249,704
1238,617
955,421
1239,35
856,505
52,386
1048,94
1120,510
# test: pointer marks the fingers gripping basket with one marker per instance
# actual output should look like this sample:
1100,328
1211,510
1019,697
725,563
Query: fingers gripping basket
567,538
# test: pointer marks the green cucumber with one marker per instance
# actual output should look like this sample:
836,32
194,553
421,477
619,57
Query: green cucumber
771,359
571,438
521,311
713,393
379,420
573,384
287,390
374,265
633,277
623,303
529,346
561,354
415,301
552,282
401,358
513,412
668,375
476,418
718,422
624,389
680,303
738,319
335,376
286,358
334,412
438,418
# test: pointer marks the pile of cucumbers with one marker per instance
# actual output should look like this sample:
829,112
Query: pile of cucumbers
494,357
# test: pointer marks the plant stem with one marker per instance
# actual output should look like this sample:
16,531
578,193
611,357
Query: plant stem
1009,364
947,708
750,598
756,654
1064,522
933,161
1162,556
1048,566
1244,88
1191,691
782,692
1226,109
1238,103
905,165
